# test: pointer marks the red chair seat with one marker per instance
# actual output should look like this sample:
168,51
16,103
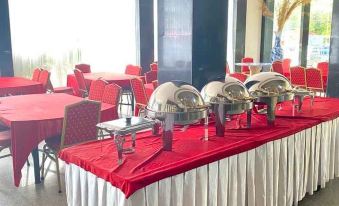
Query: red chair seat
5,138
66,90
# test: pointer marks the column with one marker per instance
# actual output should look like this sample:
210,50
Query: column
192,40
333,76
6,62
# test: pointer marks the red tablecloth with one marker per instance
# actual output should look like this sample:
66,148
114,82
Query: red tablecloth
188,150
33,118
323,109
123,80
19,86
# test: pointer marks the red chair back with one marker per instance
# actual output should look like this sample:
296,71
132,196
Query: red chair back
139,92
323,67
298,76
154,66
227,69
286,64
97,89
111,94
155,84
44,79
79,76
239,76
133,70
277,66
85,68
151,76
314,79
36,74
80,122
246,69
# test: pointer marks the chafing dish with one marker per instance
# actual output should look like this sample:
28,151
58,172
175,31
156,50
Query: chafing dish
227,98
173,103
271,88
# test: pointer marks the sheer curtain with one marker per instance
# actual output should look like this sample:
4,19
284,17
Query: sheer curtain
58,34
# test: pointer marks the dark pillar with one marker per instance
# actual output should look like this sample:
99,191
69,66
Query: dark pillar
146,29
192,40
6,62
240,30
333,76
304,31
267,34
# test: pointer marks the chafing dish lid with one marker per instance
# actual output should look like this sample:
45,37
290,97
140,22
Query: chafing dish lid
175,96
230,91
268,82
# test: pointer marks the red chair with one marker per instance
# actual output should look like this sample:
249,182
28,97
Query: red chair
151,76
85,68
323,67
79,76
79,125
36,74
133,70
298,76
155,84
286,64
314,80
239,76
111,96
97,89
154,66
277,66
44,79
227,69
140,96
246,69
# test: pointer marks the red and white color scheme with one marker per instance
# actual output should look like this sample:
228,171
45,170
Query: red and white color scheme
257,166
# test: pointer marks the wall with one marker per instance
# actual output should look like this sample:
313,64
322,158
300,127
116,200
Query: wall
253,30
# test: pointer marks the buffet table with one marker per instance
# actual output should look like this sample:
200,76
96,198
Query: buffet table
19,86
33,118
257,166
123,80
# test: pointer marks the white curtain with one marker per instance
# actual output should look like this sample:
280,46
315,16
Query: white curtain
58,34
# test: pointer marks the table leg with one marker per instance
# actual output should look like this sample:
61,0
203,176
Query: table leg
35,154
132,103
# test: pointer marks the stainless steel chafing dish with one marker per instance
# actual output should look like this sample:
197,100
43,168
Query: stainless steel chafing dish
173,103
227,98
271,88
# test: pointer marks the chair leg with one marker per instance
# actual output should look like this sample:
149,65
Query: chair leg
43,164
58,172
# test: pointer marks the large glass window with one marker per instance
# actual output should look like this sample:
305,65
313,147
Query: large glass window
290,39
58,34
319,31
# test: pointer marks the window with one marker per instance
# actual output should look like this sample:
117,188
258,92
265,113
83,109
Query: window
319,32
59,34
290,38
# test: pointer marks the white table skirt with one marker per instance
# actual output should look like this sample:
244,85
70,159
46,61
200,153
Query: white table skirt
277,173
